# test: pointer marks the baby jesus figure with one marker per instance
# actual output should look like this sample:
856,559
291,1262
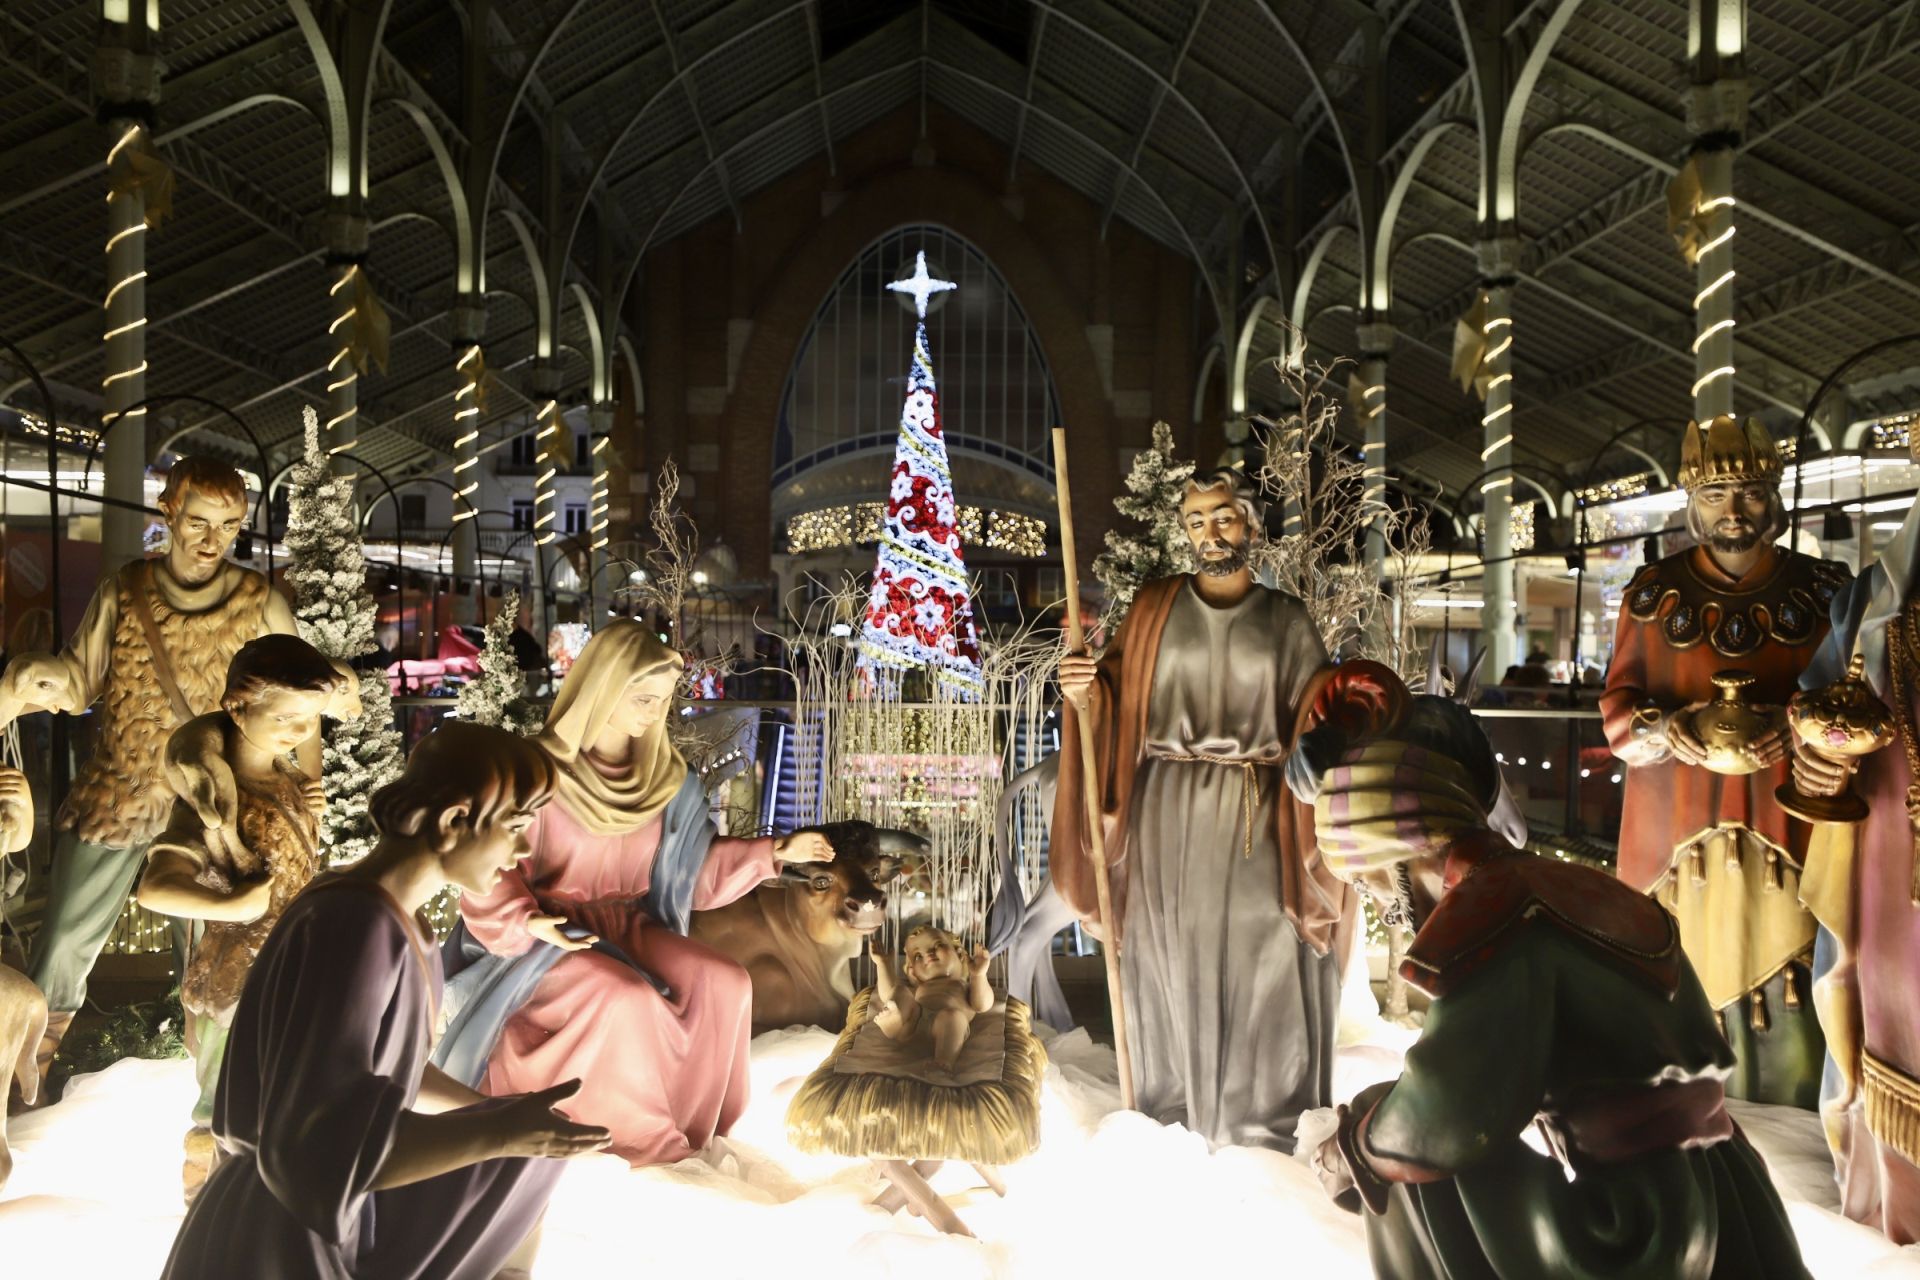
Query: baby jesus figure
943,991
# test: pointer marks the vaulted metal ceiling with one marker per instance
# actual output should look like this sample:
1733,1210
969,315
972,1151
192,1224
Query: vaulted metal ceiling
1223,129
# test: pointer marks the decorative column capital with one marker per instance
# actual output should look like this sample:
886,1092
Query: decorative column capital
125,83
468,319
544,380
346,233
1718,108
1375,339
1499,258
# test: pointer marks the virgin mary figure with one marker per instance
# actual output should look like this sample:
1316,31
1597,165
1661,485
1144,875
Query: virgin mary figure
577,964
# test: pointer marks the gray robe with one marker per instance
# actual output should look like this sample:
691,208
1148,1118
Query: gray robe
1231,1015
326,1051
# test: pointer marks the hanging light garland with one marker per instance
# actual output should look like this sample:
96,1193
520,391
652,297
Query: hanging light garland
598,503
546,442
125,185
472,367
860,524
341,368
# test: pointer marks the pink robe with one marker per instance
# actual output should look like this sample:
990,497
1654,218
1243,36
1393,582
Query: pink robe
665,1075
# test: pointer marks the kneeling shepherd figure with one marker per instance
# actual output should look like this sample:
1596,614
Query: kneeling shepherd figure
1561,998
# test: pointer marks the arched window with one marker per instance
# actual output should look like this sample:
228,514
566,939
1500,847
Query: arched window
840,412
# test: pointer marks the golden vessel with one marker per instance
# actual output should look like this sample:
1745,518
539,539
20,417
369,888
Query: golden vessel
1843,721
1728,725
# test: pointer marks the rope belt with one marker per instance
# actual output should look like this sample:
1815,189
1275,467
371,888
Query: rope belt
1249,790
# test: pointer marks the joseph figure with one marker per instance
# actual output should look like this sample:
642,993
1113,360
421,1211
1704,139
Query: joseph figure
1230,927
1862,883
151,652
1717,849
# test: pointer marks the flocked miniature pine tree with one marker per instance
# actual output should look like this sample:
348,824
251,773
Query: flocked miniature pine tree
1155,487
336,613
497,696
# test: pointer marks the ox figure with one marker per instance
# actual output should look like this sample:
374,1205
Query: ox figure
795,936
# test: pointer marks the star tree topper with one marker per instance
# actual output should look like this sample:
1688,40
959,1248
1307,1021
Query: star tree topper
921,285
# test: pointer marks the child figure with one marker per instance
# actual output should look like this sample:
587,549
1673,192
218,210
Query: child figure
939,982
242,841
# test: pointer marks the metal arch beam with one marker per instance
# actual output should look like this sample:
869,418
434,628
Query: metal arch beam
339,122
798,85
449,172
1153,113
598,359
521,85
1381,264
1026,99
819,88
699,119
614,84
1233,161
1303,288
407,86
542,301
625,278
1242,344
1208,361
1455,99
1319,91
632,359
1512,121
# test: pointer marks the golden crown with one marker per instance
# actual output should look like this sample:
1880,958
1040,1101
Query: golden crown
1724,452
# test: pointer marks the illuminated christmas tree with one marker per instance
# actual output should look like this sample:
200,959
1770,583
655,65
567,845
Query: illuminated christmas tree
919,614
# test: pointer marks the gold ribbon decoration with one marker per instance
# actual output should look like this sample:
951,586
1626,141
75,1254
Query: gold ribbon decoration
136,170
1470,348
556,442
370,330
1357,399
1686,223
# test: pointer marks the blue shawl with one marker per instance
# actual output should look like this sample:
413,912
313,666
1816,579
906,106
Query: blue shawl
484,990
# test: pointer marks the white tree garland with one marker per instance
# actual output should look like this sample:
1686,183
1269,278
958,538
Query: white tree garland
336,615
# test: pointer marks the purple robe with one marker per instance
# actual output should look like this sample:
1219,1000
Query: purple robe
326,1052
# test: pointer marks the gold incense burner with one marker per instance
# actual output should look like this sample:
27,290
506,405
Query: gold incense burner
1843,721
1728,726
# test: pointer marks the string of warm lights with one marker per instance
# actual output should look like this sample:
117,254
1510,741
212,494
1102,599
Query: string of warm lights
1499,396
1520,527
1373,470
1719,333
472,367
340,430
1612,490
543,492
861,524
599,505
1891,433
125,302
140,932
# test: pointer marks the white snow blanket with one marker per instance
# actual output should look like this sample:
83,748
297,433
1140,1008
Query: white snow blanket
96,1191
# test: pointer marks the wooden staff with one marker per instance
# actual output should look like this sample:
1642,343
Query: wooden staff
1090,781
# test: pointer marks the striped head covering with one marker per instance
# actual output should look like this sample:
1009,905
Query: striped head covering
1394,776
1390,802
